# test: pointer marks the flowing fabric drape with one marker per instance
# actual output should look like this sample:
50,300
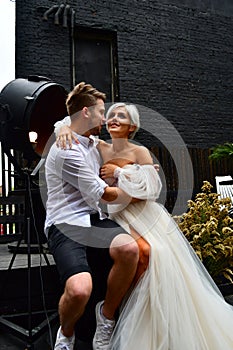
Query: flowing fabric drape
176,304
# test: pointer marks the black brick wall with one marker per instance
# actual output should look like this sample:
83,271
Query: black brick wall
174,56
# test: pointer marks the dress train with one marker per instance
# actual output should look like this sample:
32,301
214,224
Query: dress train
176,304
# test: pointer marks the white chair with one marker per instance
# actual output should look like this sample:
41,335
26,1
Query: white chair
224,186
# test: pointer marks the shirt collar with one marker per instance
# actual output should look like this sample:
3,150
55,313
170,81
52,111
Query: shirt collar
94,140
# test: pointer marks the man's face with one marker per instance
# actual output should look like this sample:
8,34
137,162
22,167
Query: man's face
97,118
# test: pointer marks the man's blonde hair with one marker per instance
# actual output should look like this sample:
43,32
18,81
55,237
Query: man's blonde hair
83,95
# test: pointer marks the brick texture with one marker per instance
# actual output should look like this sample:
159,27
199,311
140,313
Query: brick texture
175,57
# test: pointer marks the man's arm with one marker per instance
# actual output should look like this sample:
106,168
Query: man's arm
77,173
114,195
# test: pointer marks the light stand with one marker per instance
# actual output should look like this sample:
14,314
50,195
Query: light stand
29,334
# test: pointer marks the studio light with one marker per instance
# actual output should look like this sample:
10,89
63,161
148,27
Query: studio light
33,105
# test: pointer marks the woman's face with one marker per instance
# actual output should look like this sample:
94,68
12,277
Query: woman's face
119,123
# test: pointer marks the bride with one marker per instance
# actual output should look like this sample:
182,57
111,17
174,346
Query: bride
175,304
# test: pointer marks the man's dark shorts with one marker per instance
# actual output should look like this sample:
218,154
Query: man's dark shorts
70,245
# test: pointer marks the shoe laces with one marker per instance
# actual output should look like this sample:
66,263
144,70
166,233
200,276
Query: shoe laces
106,331
63,346
66,346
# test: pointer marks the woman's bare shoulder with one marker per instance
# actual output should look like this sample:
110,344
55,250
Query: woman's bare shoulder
143,155
103,143
140,149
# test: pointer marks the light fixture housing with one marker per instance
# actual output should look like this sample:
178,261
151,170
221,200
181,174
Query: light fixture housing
33,104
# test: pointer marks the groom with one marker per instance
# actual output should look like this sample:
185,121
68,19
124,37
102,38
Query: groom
73,211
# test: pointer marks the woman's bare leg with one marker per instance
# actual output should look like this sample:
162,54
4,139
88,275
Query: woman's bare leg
144,254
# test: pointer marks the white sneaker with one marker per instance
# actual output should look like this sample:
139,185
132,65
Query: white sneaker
104,329
64,343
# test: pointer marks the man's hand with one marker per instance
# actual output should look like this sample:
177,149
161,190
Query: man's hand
65,137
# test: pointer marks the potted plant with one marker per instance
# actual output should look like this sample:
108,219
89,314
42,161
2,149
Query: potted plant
209,229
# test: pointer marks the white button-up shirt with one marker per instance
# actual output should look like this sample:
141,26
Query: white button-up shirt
73,183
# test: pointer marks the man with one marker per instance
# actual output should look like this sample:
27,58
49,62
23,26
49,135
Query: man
73,211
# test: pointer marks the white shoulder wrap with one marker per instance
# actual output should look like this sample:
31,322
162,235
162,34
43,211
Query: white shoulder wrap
140,181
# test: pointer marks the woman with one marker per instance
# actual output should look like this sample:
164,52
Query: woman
175,305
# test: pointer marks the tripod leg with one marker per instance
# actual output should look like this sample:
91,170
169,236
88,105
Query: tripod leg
45,257
29,283
42,252
15,253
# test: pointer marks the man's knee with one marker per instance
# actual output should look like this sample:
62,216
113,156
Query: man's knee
79,287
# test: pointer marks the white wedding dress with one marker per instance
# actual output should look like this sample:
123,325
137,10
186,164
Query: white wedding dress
175,305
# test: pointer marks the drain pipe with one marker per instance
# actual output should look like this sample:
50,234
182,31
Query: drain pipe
65,14
56,16
66,9
50,10
72,50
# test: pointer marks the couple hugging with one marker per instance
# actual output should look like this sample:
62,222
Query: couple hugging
159,296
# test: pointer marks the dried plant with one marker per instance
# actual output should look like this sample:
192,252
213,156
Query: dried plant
209,229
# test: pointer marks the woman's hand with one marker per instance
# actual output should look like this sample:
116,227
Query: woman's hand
107,171
65,136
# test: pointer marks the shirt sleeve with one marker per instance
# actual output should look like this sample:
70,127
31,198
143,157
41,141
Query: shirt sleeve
60,123
75,171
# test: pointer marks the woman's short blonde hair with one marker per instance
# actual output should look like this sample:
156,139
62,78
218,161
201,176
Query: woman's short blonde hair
133,114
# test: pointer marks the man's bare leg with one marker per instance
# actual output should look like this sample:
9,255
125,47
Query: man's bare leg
73,301
124,252
144,254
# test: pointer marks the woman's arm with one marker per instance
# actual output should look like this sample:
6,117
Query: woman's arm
142,157
140,181
64,134
64,137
